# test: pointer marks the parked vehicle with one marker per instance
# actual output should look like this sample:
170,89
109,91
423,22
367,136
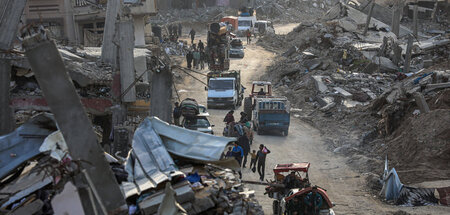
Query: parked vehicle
225,89
198,123
262,27
271,114
236,48
257,86
288,201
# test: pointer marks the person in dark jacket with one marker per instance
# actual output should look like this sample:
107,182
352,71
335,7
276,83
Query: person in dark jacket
245,144
189,58
176,114
201,46
244,118
192,33
229,117
261,158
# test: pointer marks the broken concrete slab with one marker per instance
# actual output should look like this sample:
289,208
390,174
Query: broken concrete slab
348,25
343,92
369,93
384,63
31,208
324,101
68,201
312,64
431,87
320,86
421,102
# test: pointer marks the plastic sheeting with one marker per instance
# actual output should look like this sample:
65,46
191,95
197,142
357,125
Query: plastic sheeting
392,185
23,143
188,143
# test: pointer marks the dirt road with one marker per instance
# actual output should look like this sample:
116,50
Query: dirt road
346,187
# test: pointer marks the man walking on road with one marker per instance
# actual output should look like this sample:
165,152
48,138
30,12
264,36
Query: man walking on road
180,28
176,114
261,158
249,36
238,153
244,143
201,46
192,33
189,58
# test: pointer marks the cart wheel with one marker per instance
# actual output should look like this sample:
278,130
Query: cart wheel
285,133
275,207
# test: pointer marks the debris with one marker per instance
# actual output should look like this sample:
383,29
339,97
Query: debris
343,92
421,103
320,86
68,201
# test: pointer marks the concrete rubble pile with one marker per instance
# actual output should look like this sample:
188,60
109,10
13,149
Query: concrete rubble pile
288,11
40,174
357,89
191,16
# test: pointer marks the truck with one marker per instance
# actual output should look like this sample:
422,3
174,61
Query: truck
271,113
259,89
224,89
246,20
218,47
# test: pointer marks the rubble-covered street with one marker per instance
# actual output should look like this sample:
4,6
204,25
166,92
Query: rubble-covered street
224,107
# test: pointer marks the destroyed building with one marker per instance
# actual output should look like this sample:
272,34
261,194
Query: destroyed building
81,22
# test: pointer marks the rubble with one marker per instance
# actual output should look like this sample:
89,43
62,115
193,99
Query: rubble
355,89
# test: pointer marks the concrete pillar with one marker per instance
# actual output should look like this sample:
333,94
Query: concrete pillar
421,103
7,123
10,12
396,15
109,49
139,32
69,22
406,66
76,128
369,16
161,95
126,59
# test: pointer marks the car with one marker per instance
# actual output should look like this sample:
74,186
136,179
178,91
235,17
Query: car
198,123
236,49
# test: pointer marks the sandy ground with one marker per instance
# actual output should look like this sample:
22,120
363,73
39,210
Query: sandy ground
346,187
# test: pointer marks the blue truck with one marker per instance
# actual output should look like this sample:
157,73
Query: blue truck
271,114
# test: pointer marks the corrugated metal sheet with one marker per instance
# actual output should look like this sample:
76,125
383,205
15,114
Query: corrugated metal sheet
23,144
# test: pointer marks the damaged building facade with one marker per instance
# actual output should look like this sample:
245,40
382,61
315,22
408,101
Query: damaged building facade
81,22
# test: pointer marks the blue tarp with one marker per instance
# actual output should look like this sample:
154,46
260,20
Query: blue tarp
23,143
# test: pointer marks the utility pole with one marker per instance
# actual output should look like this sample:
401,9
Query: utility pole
76,128
109,49
10,14
369,16
396,17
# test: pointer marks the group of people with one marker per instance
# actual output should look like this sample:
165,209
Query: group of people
241,148
196,56
308,204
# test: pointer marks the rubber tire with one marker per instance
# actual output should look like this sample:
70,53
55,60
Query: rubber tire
275,207
248,107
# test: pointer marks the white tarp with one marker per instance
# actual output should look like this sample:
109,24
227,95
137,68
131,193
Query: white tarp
188,143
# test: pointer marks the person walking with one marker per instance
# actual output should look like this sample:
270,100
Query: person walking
201,46
176,114
175,30
253,160
170,28
192,33
261,158
189,58
238,153
249,36
244,143
202,60
196,55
